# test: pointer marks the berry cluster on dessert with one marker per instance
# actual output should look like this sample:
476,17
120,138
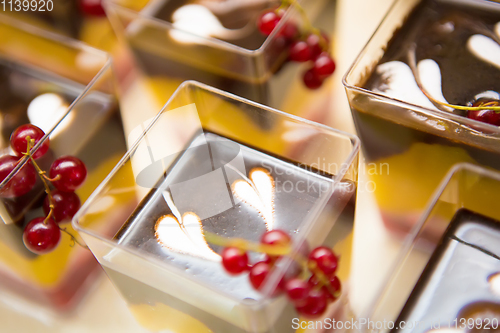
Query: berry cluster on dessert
306,45
310,282
67,173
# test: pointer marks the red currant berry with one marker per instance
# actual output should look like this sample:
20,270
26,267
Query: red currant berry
21,183
335,284
315,304
268,21
315,44
234,260
275,237
92,7
66,204
311,80
40,237
313,281
324,65
297,290
289,31
300,51
324,259
70,173
486,116
19,142
258,273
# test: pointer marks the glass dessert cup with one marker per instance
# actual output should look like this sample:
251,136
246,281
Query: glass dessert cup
84,20
412,140
65,88
447,274
235,57
220,164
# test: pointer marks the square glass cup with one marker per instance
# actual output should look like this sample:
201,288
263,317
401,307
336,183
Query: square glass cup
409,147
232,56
84,20
214,162
446,276
65,88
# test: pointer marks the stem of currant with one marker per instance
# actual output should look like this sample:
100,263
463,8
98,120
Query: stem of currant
41,173
307,23
73,238
243,244
323,279
273,250
51,179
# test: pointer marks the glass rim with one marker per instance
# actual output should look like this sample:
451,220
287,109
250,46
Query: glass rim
69,42
427,111
212,40
410,239
274,277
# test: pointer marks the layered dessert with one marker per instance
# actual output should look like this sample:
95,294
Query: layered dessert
458,288
226,44
231,200
221,187
36,100
430,100
83,20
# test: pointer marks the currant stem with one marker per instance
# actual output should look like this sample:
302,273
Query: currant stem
274,250
73,238
283,6
41,173
413,66
307,23
323,279
51,179
294,3
243,244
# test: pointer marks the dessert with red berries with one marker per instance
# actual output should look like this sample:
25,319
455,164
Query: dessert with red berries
60,134
428,101
29,112
230,217
20,172
310,288
271,52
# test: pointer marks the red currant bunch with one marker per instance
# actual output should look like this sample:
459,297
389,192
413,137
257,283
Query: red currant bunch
310,288
236,261
307,46
67,173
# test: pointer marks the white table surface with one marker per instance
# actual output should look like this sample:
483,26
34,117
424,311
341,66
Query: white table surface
104,311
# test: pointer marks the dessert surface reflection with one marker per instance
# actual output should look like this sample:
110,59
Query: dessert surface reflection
196,197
